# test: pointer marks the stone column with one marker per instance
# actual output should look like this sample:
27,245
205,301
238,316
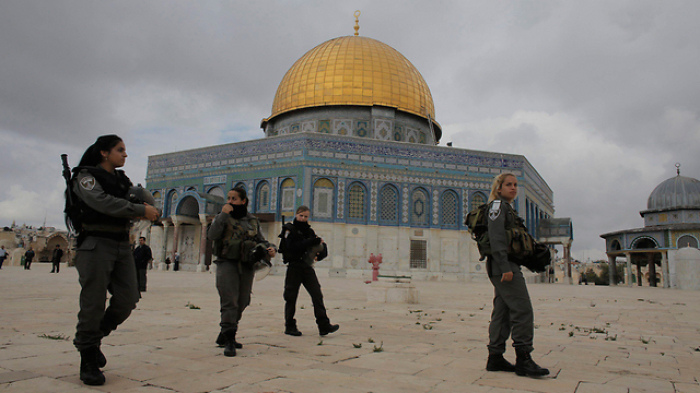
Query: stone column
161,265
629,268
176,234
567,258
612,270
202,244
665,269
651,267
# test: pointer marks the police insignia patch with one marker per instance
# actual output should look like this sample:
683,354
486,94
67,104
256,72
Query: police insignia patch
87,183
495,210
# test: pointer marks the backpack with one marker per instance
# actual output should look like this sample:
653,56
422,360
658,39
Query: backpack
522,247
479,229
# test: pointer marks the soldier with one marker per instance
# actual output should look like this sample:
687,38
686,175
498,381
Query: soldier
300,247
103,258
235,233
512,309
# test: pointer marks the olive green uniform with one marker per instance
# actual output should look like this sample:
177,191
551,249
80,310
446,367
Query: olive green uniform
105,263
512,309
234,280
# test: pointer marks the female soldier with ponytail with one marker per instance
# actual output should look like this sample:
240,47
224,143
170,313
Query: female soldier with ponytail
512,314
103,259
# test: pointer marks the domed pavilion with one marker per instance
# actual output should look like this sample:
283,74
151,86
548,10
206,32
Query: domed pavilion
671,223
352,134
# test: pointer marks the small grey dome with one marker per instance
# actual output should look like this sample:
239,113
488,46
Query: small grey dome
678,191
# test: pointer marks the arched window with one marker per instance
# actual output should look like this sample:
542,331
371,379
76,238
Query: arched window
287,195
687,241
478,199
217,191
262,197
356,202
389,205
323,198
449,209
159,199
420,207
240,184
172,202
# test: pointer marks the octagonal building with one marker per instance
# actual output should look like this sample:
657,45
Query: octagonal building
353,135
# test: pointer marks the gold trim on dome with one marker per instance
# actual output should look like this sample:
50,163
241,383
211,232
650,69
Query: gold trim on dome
354,70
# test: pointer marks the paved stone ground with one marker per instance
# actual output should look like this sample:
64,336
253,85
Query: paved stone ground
593,339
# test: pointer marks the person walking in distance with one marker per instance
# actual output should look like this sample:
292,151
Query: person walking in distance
142,257
56,259
28,258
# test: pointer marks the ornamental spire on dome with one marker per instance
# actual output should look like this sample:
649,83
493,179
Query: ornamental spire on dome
678,168
357,22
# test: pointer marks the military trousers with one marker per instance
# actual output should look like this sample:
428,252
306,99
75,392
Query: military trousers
512,315
299,274
141,279
104,265
235,285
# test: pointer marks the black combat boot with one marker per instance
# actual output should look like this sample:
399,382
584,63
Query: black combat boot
90,372
292,331
329,328
221,342
525,366
101,359
230,345
499,363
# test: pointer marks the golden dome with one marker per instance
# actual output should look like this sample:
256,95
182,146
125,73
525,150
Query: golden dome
354,70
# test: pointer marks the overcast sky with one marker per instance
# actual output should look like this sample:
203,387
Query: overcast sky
602,97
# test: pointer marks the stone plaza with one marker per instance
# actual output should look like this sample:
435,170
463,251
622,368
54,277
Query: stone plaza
592,338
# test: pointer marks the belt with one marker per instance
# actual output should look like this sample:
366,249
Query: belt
119,236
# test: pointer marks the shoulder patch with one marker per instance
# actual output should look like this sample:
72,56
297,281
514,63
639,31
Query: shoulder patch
495,210
88,182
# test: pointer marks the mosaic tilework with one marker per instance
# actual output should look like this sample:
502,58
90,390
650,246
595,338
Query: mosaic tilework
373,201
362,128
411,135
436,206
294,128
341,198
342,127
382,129
274,181
324,126
284,131
308,126
398,133
404,205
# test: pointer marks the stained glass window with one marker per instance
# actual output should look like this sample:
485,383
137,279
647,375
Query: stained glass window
420,209
449,208
388,212
478,199
263,197
356,202
323,198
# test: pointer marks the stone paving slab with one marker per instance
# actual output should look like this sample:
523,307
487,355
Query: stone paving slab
592,338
